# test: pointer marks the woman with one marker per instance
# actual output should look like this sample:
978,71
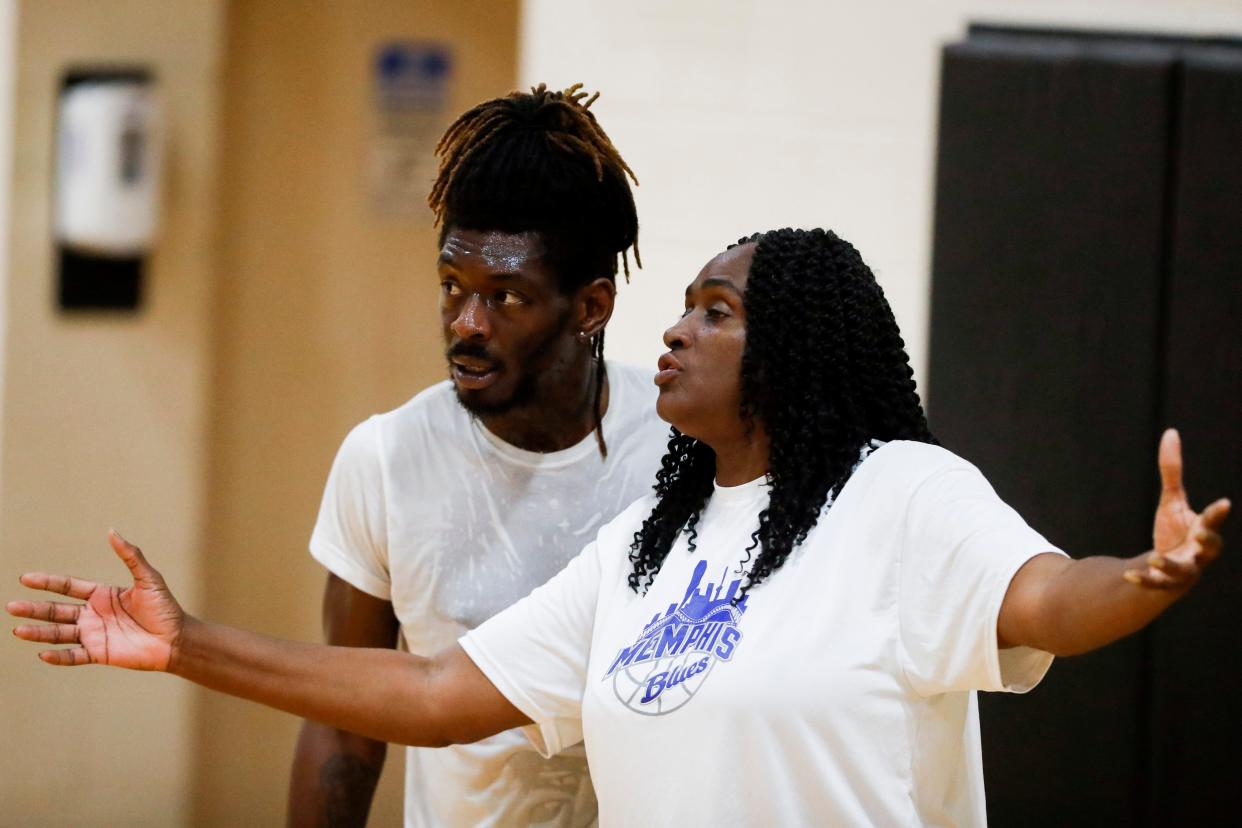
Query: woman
788,631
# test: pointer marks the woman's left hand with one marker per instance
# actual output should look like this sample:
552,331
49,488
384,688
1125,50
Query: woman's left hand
1184,541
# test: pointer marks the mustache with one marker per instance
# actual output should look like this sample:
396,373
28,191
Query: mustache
473,350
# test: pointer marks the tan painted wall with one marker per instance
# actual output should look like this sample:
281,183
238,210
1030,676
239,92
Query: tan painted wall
282,309
8,82
326,314
104,420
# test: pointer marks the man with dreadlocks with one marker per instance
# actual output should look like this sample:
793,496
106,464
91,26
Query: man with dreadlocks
443,512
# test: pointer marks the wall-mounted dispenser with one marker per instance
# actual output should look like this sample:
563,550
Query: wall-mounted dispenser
109,147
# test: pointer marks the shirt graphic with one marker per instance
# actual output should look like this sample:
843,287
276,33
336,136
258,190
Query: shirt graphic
676,651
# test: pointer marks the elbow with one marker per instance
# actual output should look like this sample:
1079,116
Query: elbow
1066,650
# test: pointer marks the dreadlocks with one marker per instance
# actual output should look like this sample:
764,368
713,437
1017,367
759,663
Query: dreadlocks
540,162
824,369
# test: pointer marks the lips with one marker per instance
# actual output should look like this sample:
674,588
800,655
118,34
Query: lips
669,367
473,365
473,372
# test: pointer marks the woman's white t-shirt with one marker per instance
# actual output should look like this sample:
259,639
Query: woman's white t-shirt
838,692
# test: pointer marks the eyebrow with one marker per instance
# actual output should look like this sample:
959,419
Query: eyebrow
716,283
447,258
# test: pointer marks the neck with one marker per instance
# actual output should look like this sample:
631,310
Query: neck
559,417
743,458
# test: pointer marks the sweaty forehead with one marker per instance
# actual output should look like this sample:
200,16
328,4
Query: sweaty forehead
493,249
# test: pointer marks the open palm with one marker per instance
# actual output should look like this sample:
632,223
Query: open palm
134,627
1184,541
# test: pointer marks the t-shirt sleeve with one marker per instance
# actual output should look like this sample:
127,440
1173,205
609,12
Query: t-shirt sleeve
536,652
351,533
961,547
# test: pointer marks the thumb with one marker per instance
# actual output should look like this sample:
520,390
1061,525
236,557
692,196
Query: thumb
1169,459
142,571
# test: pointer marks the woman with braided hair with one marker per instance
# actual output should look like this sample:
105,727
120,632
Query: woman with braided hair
789,630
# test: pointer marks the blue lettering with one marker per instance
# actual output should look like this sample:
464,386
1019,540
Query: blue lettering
728,643
696,632
660,682
709,638
655,686
671,639
623,659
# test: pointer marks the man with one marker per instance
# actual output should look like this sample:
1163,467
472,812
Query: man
439,514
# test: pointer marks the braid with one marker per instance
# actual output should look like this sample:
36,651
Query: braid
825,370
683,485
597,405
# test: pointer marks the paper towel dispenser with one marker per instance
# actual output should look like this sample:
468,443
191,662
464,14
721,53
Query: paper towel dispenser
107,202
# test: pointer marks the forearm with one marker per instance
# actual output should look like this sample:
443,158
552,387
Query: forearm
381,694
1086,604
335,774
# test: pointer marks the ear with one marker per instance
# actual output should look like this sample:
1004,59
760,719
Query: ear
593,305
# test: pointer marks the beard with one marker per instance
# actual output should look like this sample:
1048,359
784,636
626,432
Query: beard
524,392
529,372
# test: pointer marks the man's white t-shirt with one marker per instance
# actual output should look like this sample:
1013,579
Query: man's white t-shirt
427,509
840,691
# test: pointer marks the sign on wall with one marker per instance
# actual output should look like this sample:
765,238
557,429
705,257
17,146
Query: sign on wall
411,93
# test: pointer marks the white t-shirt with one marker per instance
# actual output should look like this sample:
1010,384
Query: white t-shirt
839,692
427,509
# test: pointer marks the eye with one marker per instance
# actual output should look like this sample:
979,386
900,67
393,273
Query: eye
716,314
509,297
450,288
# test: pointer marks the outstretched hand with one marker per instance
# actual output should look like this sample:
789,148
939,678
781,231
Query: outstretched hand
1184,542
135,627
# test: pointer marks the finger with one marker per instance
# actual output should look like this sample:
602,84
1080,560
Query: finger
1174,568
1209,544
1151,579
1213,516
133,558
48,633
66,658
64,584
1169,458
45,611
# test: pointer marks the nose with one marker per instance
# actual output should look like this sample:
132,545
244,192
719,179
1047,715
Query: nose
677,336
471,321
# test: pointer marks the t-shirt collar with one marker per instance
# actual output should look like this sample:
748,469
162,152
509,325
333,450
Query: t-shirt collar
759,486
555,459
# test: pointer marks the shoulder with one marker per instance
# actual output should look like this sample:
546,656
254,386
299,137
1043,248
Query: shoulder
433,401
916,455
905,465
433,410
618,533
430,416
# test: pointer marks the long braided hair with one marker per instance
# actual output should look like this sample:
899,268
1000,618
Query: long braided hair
540,162
824,370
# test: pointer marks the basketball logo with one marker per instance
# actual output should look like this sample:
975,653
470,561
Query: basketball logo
677,650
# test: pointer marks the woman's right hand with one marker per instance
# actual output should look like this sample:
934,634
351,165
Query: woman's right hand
137,627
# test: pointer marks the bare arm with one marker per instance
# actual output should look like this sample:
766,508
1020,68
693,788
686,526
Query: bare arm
335,772
1068,607
382,694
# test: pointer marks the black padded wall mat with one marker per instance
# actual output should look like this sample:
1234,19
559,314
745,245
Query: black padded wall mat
1196,726
1056,329
1046,272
